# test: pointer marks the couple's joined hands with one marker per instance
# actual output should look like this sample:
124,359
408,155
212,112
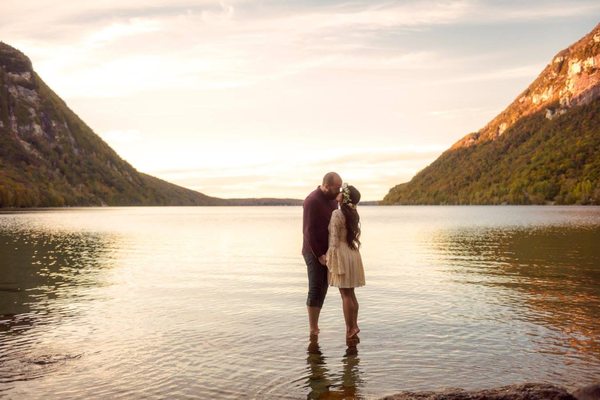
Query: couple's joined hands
323,260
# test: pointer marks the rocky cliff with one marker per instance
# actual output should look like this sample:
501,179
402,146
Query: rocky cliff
543,148
50,157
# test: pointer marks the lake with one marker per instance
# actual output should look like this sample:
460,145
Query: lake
210,303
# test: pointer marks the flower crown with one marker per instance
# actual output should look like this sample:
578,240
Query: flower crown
346,196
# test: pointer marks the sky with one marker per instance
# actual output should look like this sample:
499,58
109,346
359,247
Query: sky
262,98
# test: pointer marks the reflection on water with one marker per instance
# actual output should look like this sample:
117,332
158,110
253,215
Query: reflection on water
209,303
40,266
43,273
320,380
551,275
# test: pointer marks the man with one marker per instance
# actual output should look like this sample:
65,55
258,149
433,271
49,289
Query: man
318,207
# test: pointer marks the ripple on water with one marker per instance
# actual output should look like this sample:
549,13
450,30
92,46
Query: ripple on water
104,304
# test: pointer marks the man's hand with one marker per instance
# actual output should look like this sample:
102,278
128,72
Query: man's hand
323,259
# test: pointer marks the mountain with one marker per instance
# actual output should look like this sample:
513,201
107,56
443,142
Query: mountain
50,157
544,148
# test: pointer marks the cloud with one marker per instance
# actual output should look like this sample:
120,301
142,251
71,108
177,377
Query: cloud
111,48
369,16
373,170
458,113
108,49
117,31
109,11
517,11
231,83
373,157
120,137
524,71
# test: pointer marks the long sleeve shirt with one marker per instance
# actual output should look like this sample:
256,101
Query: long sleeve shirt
315,222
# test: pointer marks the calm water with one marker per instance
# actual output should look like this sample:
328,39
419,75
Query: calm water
209,303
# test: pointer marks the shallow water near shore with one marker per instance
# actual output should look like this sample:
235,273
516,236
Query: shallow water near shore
209,303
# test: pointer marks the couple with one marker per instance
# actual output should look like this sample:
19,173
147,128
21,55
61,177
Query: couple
330,249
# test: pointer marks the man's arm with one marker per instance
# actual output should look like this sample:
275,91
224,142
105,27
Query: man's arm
312,216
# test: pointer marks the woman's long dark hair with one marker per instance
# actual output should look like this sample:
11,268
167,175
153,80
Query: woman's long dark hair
352,218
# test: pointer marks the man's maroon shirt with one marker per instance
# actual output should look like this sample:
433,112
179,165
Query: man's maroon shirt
315,222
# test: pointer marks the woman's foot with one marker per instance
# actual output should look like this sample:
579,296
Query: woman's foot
352,344
353,332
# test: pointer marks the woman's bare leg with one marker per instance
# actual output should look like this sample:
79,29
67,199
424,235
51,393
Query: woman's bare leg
348,308
355,316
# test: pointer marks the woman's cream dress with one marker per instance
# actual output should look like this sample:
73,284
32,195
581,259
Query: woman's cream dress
344,264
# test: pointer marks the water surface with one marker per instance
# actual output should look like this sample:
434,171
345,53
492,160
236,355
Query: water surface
209,303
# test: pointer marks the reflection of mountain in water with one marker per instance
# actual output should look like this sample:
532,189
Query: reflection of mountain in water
42,274
39,267
551,275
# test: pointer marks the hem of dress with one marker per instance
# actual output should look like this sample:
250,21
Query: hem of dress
346,287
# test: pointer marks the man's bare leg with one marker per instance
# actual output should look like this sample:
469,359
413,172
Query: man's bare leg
313,319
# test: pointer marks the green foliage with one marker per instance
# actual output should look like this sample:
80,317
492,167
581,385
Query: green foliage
536,161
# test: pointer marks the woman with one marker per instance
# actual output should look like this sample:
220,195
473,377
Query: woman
343,258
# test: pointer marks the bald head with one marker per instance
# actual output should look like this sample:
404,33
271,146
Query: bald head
331,185
330,178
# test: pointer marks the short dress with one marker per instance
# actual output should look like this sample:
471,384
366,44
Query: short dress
344,264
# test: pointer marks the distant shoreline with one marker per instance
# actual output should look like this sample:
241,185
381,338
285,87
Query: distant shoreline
4,210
